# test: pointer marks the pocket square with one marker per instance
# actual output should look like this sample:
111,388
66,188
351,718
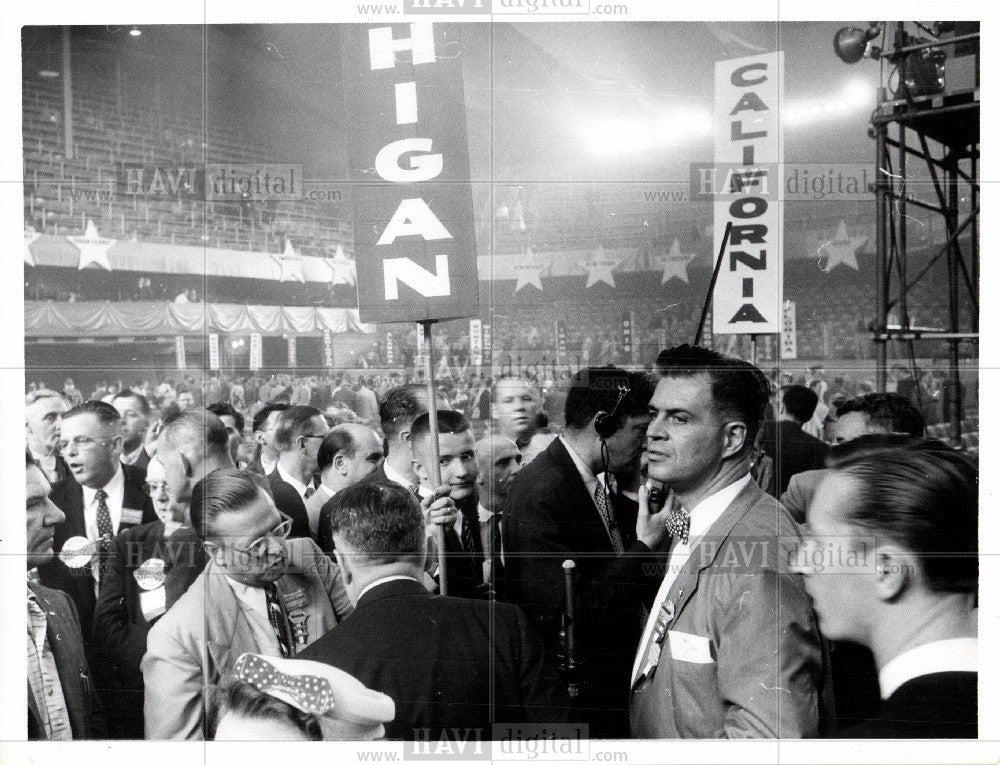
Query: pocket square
694,649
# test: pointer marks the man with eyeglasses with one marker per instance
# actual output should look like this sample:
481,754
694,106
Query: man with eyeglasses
300,431
134,595
260,593
101,499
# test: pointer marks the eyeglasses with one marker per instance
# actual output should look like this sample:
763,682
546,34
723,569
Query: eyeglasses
313,436
80,443
258,548
152,488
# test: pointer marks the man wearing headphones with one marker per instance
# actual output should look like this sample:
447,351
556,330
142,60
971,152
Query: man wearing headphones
560,507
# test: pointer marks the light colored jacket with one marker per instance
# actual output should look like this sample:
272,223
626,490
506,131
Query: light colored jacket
206,630
743,656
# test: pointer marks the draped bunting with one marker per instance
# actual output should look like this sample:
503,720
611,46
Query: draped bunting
106,319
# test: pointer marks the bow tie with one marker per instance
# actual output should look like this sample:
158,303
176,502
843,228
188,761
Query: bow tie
679,524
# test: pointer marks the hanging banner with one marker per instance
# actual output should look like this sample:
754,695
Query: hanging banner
476,342
789,341
179,354
292,352
328,348
390,350
746,185
560,342
414,231
256,351
213,351
487,343
627,337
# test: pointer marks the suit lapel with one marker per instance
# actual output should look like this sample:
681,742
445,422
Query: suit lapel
703,556
587,518
228,633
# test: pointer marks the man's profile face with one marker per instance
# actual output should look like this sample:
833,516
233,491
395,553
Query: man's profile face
850,426
368,455
92,449
185,401
42,517
44,418
625,444
457,458
235,436
311,436
233,532
686,438
837,565
501,463
515,407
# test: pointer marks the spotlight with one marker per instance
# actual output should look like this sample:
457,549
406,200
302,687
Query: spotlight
852,44
134,32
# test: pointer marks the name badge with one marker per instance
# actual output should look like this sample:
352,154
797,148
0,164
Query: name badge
131,516
153,603
694,649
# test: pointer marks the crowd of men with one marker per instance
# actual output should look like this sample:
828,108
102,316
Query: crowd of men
732,575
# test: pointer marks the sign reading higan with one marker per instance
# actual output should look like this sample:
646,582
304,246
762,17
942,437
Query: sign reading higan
413,225
748,144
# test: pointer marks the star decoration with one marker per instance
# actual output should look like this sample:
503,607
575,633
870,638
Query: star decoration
291,264
674,263
528,272
30,235
344,269
841,250
599,268
93,249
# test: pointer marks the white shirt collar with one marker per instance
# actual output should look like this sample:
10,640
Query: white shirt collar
395,476
324,492
710,509
955,655
589,479
292,480
131,457
115,491
385,579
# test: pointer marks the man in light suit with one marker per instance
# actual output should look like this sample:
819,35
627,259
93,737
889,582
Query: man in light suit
260,593
731,648
891,561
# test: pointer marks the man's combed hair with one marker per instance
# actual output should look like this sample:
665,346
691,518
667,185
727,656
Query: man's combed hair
223,491
129,393
448,422
338,440
380,520
105,413
196,428
599,389
261,417
738,388
889,412
799,401
236,697
290,424
922,495
399,407
222,409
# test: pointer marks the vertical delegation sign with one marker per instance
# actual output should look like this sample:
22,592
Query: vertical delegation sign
789,341
747,188
476,342
256,351
293,352
179,354
409,162
213,350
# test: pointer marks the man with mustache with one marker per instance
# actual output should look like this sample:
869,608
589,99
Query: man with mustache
260,593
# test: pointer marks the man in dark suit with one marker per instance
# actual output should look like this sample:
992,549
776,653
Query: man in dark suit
300,430
448,663
133,596
62,701
791,448
459,471
891,561
102,499
560,507
499,461
265,422
731,648
399,407
134,410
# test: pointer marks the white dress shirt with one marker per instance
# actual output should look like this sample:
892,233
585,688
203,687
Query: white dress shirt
703,517
955,655
396,477
315,503
115,491
590,480
295,482
253,602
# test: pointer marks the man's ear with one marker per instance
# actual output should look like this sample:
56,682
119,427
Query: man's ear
735,438
342,563
215,553
418,468
339,463
404,436
894,570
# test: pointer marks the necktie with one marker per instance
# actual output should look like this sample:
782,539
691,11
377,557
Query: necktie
679,524
310,490
105,530
414,490
279,622
601,498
